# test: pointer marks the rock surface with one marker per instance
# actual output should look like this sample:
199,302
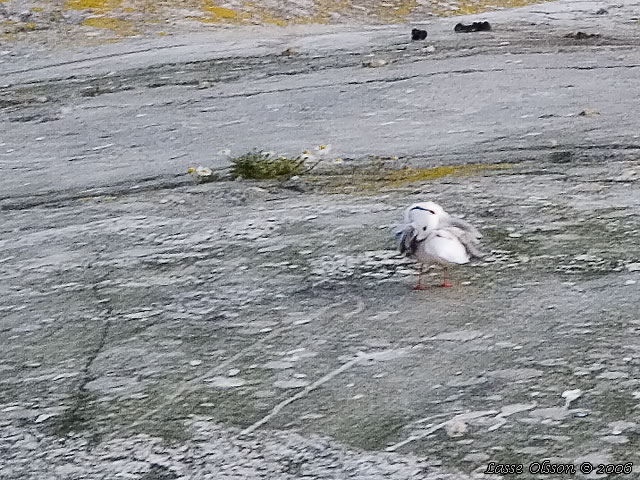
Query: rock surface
147,320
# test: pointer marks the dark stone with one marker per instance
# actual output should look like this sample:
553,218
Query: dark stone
561,156
417,34
474,27
582,35
159,472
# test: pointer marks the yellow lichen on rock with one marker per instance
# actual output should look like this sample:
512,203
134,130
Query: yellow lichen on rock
262,15
397,12
470,7
218,14
217,11
129,17
409,174
117,25
96,6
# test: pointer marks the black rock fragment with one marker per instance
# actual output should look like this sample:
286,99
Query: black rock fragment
417,34
474,27
582,35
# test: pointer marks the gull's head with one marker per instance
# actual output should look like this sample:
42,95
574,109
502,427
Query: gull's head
425,215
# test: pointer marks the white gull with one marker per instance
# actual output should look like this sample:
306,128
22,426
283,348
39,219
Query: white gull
431,235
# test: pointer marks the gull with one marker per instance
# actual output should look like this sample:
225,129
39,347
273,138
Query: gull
431,235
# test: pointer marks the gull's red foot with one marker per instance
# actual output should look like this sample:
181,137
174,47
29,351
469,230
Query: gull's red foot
419,287
447,284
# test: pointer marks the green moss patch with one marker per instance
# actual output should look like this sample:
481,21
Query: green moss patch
258,165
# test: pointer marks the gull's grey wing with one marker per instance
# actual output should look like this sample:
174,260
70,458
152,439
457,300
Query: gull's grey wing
469,238
465,226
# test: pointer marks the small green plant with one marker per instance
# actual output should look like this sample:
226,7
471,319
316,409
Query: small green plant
562,156
265,165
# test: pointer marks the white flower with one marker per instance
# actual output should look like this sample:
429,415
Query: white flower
269,154
307,155
322,150
203,171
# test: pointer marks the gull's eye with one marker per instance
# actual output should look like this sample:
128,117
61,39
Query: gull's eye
424,229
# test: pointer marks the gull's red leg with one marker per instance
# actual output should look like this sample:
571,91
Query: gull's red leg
419,285
445,283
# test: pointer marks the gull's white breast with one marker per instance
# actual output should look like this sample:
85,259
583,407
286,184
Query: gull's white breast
442,246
